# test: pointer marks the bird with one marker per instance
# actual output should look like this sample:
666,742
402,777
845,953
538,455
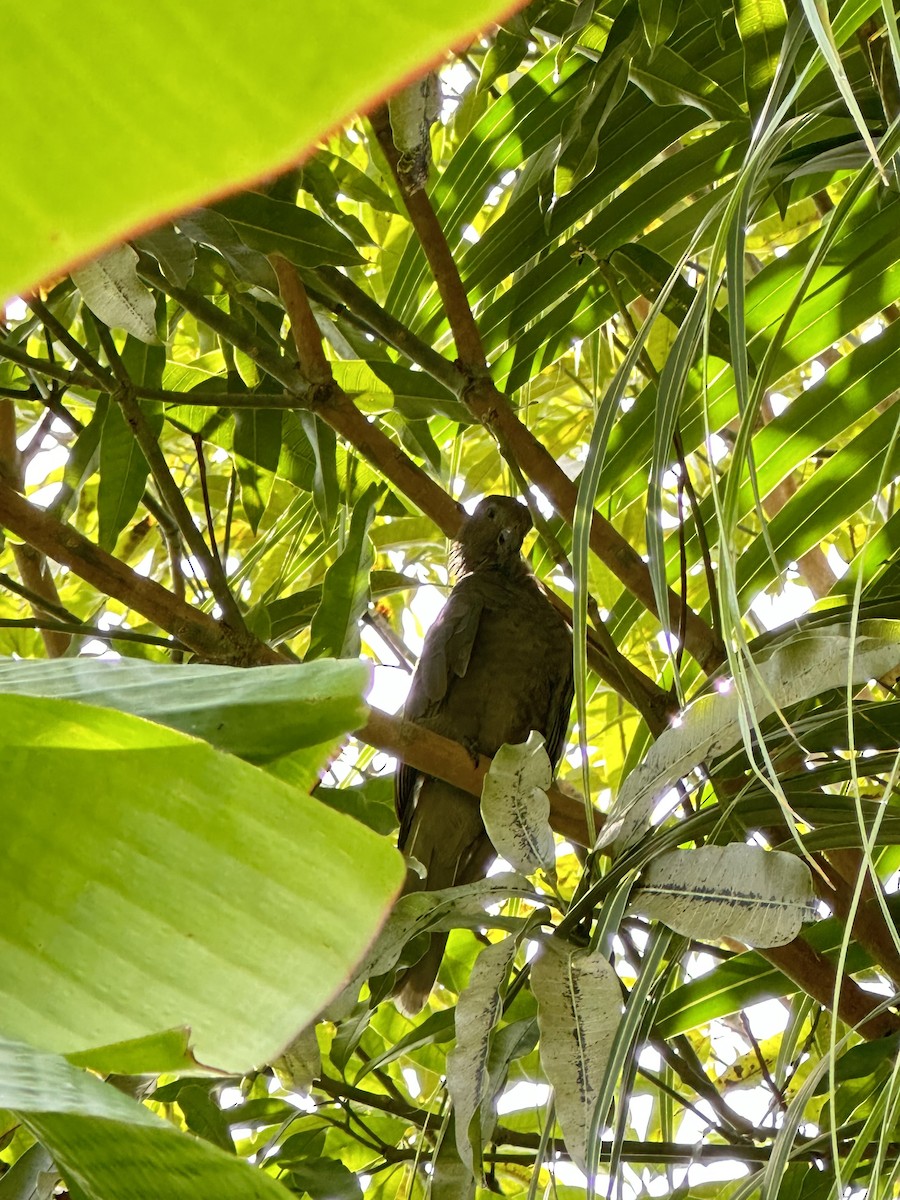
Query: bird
495,665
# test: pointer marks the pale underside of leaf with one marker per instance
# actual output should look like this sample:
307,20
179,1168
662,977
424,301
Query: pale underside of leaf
477,1013
804,666
112,291
579,1006
515,807
759,897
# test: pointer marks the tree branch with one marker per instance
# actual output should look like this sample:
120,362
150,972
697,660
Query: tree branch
438,756
817,976
389,329
212,640
443,266
335,407
168,488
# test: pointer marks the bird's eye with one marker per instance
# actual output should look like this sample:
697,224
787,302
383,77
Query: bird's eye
502,537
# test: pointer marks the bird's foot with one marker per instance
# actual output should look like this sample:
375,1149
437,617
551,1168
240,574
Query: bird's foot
472,750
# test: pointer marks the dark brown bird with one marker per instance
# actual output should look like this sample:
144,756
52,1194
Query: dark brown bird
496,664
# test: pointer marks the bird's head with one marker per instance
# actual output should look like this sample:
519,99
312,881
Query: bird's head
492,536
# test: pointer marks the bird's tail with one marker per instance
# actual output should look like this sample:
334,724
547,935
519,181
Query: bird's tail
414,986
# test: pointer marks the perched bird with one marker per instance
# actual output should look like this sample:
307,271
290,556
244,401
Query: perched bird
496,664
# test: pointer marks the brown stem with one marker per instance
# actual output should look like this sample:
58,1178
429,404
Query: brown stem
447,760
72,378
440,259
168,488
817,976
869,925
307,337
212,640
32,566
79,629
377,321
79,353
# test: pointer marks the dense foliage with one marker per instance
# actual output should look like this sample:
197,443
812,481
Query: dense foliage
642,271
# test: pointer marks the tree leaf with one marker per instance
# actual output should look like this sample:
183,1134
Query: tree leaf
345,589
659,18
112,291
325,481
174,252
133,168
448,908
802,666
258,715
761,25
275,227
468,1073
668,79
579,1004
83,883
759,897
515,807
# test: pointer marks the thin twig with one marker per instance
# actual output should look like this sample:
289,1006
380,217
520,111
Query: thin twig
79,629
168,488
211,640
104,380
204,489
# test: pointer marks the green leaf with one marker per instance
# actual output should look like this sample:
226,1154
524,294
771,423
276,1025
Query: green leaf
659,18
667,78
257,445
274,227
323,442
761,25
648,273
123,467
264,874
258,715
112,291
290,614
174,252
345,589
169,1051
132,168
746,978
324,1180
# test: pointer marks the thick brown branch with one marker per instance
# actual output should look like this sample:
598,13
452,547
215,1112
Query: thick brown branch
307,338
333,406
440,259
817,976
438,756
212,640
869,925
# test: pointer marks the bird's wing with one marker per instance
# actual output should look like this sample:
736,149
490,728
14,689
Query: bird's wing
445,656
561,708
